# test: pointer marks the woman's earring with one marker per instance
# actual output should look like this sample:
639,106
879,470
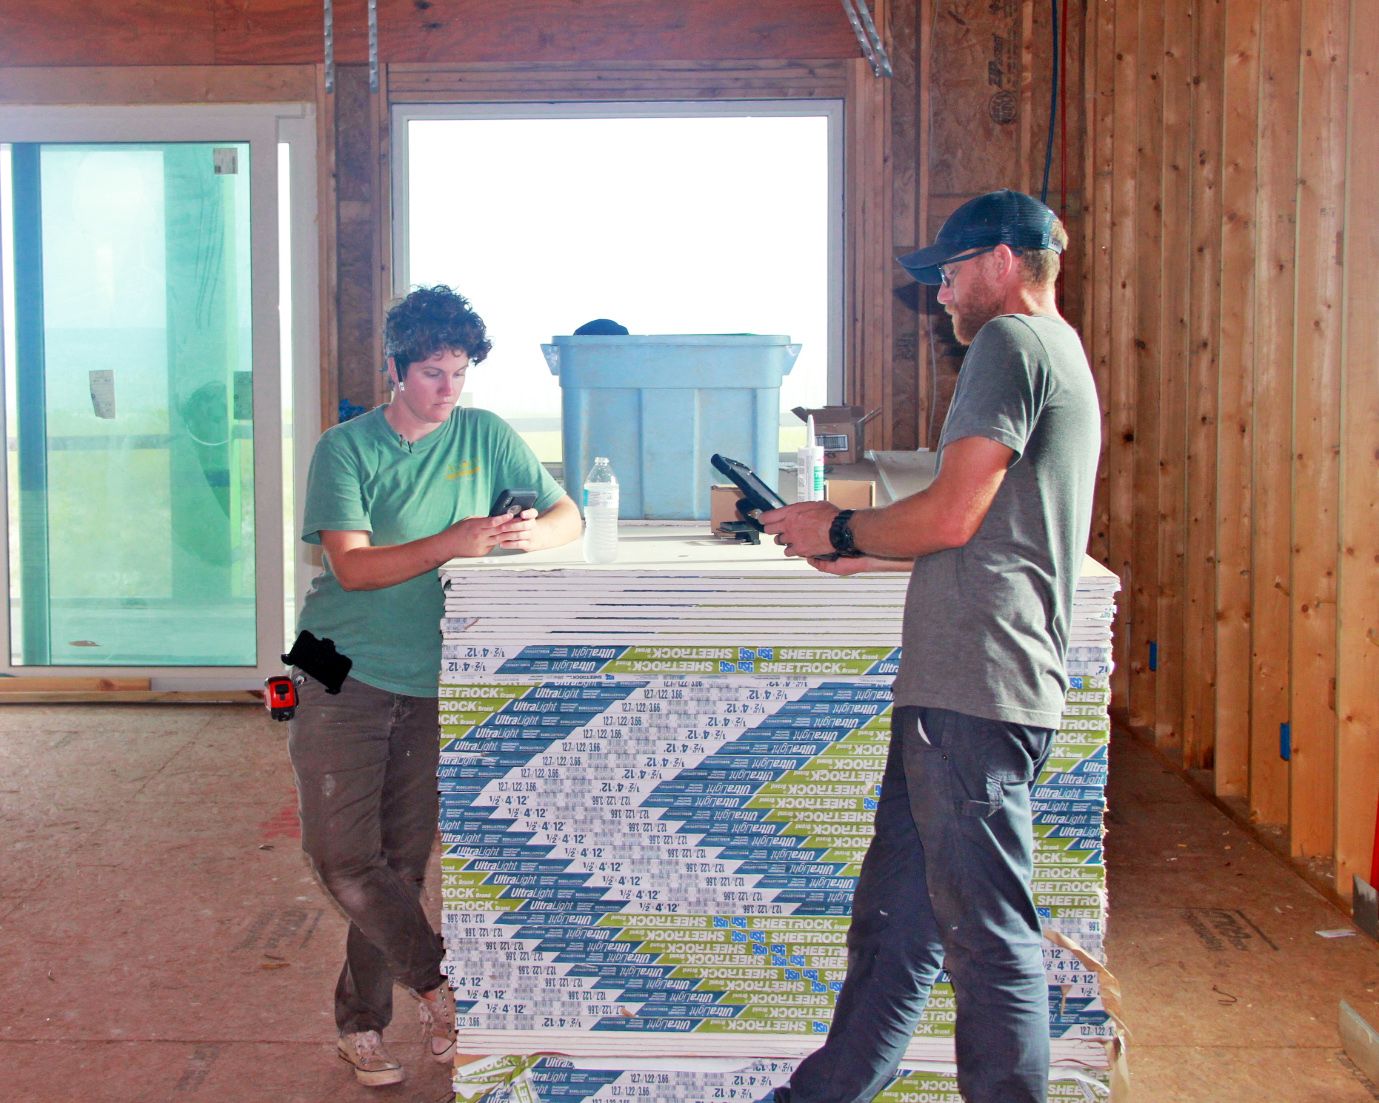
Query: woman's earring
401,386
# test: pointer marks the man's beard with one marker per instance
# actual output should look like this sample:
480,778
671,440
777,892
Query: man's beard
981,305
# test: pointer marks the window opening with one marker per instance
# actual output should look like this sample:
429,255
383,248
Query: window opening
669,218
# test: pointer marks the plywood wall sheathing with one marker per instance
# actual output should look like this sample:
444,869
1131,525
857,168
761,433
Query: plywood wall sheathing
979,95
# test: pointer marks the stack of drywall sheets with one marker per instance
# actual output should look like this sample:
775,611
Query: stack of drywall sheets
656,792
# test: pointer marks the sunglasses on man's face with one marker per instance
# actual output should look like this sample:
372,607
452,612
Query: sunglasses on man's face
946,277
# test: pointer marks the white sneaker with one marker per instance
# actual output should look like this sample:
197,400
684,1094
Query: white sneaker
372,1066
437,1018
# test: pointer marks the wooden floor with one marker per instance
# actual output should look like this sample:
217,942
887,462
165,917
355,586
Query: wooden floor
162,940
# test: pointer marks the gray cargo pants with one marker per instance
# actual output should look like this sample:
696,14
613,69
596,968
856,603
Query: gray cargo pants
365,762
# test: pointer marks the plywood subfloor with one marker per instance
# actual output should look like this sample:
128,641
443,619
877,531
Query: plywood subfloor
162,940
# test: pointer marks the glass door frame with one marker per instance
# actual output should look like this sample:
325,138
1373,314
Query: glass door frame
266,128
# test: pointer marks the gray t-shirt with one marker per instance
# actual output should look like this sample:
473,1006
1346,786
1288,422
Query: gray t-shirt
986,625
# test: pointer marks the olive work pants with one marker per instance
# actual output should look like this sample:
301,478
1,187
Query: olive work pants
365,762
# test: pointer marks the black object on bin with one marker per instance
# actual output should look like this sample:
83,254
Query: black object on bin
601,327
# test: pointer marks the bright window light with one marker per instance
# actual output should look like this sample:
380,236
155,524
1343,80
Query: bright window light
667,223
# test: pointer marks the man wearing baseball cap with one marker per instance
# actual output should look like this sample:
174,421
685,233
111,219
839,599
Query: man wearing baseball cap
994,548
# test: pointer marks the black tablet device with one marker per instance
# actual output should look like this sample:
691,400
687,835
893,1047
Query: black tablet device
757,496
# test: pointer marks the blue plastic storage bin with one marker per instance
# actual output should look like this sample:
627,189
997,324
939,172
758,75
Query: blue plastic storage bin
658,407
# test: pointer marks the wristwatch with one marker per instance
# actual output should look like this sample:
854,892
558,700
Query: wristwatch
840,535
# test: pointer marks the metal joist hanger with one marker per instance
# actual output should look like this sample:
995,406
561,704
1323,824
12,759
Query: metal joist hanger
865,30
330,46
373,45
329,60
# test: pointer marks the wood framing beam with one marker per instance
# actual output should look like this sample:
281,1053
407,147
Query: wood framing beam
159,84
1101,24
1176,274
1204,304
1317,425
1357,668
1147,363
1275,296
867,246
1235,422
616,80
1120,445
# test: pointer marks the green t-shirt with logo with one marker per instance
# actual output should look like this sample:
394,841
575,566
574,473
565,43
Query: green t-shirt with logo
364,477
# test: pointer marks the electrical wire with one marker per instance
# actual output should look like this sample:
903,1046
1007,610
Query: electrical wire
1053,108
1063,116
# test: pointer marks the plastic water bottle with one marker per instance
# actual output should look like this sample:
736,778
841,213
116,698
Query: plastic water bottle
809,467
600,513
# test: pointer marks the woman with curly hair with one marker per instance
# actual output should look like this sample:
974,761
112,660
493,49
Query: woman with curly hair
392,495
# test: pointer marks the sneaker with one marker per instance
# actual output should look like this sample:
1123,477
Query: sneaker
437,1018
372,1066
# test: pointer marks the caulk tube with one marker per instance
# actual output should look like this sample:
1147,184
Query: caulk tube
809,466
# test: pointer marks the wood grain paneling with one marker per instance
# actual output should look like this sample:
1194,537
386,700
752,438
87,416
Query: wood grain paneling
612,30
1097,331
360,290
160,84
174,32
867,245
1317,426
1267,396
1204,303
1357,702
106,32
926,362
1171,447
1235,423
410,83
1147,363
906,157
1274,288
258,31
1034,75
1066,194
328,252
1120,444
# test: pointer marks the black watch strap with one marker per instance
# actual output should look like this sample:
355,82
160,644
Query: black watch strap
840,535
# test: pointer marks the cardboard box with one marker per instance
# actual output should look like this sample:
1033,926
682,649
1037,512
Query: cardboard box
839,430
723,505
850,493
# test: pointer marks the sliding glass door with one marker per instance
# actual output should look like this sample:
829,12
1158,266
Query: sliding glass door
145,386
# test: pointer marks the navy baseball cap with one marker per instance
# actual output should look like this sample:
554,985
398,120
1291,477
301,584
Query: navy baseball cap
1002,217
